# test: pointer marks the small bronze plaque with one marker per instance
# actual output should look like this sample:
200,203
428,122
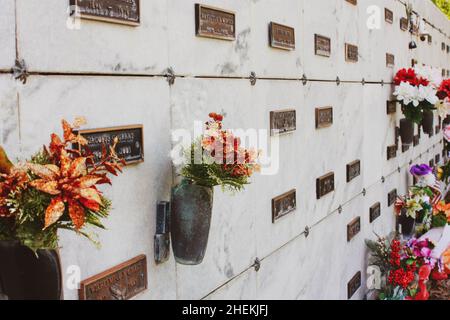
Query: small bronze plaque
390,60
354,285
325,185
281,37
283,205
388,16
443,46
430,39
405,148
416,140
351,53
283,122
130,146
115,11
391,152
322,46
392,197
437,158
432,164
404,24
324,117
375,212
353,2
214,23
353,228
353,170
391,107
122,282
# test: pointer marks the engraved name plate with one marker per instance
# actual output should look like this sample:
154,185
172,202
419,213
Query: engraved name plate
392,197
353,170
281,36
388,15
353,2
115,11
375,212
322,46
391,152
404,24
353,228
351,53
325,185
353,285
130,146
390,60
284,121
214,23
437,158
405,148
432,164
391,107
283,205
324,117
122,282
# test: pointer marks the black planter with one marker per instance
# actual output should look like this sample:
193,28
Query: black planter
27,276
406,224
190,222
407,131
427,122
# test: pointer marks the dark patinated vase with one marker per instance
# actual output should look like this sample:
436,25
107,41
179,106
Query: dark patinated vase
190,222
407,131
406,224
25,275
427,122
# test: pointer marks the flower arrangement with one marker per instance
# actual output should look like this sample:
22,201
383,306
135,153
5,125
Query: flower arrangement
218,159
441,215
415,92
55,189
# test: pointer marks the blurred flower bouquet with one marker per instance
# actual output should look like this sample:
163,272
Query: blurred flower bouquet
55,189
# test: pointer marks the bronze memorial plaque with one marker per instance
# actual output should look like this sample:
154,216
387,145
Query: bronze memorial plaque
283,205
437,158
353,170
391,107
324,117
375,212
353,228
404,24
284,121
322,46
353,2
351,53
214,23
391,152
122,282
115,11
130,146
325,185
416,141
354,285
281,37
390,60
392,197
388,16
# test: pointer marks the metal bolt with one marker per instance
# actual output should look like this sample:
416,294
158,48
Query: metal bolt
338,81
364,192
340,209
307,231
383,179
363,81
304,79
257,264
170,75
252,78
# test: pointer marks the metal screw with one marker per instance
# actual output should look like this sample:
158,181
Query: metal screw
252,78
257,264
307,231
20,71
170,75
363,81
364,192
383,179
340,209
338,81
399,169
304,79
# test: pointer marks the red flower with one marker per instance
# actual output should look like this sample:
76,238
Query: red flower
444,89
216,117
405,75
439,276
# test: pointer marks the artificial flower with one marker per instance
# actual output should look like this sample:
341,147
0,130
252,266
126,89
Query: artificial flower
444,89
421,170
428,93
447,133
408,94
443,108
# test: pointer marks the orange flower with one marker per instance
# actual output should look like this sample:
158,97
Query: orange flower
442,208
446,260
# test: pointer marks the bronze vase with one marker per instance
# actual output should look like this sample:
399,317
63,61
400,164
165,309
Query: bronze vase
407,131
427,122
190,221
25,275
406,224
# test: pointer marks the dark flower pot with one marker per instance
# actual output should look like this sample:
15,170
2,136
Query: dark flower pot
190,222
407,131
407,224
427,122
27,276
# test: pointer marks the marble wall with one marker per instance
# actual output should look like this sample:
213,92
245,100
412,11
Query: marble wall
114,75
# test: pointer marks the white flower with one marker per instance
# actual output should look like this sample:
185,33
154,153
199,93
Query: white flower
408,94
428,93
443,108
426,181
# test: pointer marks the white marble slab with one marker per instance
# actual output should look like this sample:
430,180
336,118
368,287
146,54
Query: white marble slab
7,35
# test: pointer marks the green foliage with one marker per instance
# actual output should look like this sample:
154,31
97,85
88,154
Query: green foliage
439,221
444,5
